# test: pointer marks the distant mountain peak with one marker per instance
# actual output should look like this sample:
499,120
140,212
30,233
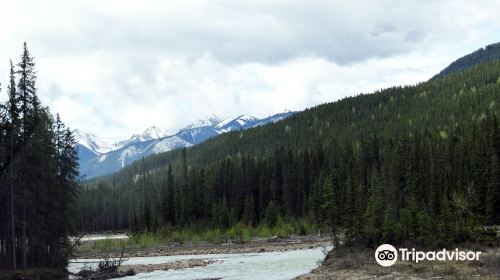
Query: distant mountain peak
213,119
208,121
149,133
231,124
246,117
99,145
93,142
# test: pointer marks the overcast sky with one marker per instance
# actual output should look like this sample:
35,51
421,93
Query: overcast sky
117,67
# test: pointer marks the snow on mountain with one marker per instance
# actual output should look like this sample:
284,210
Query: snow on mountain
100,145
274,118
241,122
168,144
209,121
93,142
198,134
149,134
99,157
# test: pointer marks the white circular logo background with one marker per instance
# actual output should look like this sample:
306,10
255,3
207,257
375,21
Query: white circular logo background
386,255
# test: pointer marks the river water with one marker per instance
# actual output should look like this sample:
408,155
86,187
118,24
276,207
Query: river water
251,266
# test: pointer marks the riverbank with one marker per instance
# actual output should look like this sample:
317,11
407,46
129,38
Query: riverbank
256,245
359,263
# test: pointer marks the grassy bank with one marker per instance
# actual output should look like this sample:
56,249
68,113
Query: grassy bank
239,233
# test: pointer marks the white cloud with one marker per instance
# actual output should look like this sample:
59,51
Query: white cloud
116,67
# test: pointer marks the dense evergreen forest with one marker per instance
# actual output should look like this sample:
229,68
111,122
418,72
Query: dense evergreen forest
416,164
38,174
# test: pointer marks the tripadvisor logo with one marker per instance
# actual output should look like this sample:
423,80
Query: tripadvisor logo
387,255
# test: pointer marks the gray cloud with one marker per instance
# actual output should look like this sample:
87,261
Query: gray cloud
339,31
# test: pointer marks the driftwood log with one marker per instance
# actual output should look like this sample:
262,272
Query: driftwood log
106,269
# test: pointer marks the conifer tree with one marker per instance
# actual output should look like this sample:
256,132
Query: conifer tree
38,167
13,143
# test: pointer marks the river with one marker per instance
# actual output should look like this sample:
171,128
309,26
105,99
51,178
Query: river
268,265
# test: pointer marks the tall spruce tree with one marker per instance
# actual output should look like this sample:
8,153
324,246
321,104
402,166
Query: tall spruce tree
38,175
13,133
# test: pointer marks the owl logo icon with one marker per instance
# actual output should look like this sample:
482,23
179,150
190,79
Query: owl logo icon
386,255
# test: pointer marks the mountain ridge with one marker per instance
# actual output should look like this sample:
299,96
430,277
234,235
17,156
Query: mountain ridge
482,55
99,157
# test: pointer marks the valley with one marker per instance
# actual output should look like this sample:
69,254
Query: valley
357,182
311,176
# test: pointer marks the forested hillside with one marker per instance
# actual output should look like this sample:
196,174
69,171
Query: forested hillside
417,163
38,173
488,53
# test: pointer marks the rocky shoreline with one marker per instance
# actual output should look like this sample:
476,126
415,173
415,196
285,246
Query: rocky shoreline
145,268
204,248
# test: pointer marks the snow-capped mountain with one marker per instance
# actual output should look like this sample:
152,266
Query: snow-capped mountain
238,123
273,118
209,121
100,157
93,142
148,134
